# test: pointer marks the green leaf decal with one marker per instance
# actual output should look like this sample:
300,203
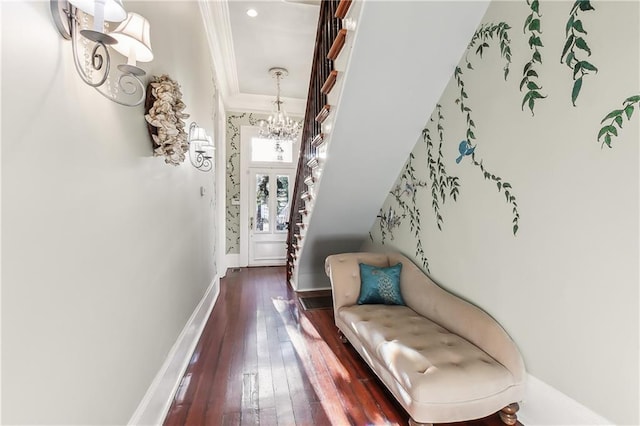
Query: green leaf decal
523,82
535,25
611,115
618,121
629,111
535,6
537,57
533,86
527,22
577,85
567,46
577,25
581,44
602,132
569,26
588,66
586,5
632,99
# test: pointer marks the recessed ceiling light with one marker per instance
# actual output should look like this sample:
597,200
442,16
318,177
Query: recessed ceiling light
252,13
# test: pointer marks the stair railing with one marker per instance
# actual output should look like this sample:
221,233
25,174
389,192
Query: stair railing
328,28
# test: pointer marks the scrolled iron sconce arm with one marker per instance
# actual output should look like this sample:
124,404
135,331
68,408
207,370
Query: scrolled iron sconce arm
67,21
201,161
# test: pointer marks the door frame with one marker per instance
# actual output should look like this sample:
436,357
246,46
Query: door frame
271,237
246,134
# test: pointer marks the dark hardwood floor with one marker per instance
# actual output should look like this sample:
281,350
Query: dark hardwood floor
263,360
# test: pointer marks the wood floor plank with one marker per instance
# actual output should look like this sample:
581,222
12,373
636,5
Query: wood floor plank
263,360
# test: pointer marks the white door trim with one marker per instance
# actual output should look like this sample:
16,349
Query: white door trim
246,133
272,238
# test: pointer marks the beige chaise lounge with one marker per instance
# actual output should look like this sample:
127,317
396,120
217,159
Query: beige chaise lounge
442,358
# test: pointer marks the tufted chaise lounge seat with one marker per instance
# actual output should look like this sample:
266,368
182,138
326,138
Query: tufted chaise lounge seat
442,358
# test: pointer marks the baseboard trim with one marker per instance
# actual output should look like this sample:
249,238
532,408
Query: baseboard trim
232,260
157,400
311,282
307,290
545,405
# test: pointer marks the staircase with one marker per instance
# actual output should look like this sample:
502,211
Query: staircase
379,68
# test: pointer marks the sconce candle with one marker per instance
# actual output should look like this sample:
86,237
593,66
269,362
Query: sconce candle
133,42
200,148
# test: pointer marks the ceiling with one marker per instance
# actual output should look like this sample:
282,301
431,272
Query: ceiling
245,48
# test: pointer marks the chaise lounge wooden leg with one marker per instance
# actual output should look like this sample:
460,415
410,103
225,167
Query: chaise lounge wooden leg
414,423
342,337
508,414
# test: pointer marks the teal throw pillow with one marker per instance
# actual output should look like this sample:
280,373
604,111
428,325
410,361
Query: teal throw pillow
380,285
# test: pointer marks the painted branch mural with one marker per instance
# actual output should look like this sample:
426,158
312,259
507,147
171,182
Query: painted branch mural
440,180
615,117
401,205
467,147
484,34
405,195
576,47
529,74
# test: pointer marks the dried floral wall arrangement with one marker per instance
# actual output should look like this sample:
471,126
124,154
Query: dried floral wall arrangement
165,119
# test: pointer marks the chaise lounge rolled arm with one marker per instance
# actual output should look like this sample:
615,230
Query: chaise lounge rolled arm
443,310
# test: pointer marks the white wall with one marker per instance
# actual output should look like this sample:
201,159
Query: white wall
106,249
566,286
393,79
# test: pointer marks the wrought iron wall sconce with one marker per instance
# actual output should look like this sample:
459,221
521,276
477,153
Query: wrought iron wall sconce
201,148
130,38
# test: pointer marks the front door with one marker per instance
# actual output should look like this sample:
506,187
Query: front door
269,215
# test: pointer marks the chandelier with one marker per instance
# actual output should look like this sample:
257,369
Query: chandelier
279,126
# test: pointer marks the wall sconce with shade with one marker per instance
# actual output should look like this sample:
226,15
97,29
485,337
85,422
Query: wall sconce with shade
201,148
131,39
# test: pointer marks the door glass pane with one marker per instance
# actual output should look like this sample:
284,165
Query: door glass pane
282,202
262,203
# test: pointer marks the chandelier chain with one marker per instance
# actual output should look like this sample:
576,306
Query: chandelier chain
279,126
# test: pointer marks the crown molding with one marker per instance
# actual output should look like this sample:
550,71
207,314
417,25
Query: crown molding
217,23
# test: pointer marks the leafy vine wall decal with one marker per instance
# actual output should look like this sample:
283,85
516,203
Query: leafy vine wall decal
529,74
615,117
575,47
234,123
404,194
468,149
407,189
440,180
388,222
487,32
